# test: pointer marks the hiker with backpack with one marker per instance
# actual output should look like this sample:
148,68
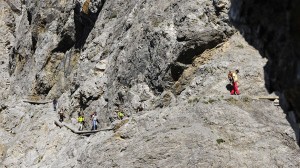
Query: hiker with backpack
61,114
232,76
55,104
120,115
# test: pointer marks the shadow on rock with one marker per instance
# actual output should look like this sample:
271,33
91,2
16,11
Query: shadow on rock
84,23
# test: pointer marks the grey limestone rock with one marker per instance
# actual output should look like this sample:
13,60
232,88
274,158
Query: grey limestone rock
163,63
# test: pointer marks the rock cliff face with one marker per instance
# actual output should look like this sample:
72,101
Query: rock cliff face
99,60
163,63
273,28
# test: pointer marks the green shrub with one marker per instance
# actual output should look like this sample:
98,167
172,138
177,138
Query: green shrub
220,140
105,52
246,99
211,100
113,15
240,46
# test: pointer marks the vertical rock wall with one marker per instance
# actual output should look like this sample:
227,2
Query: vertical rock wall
162,62
104,57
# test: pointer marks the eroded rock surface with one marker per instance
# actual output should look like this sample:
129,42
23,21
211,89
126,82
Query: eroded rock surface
163,63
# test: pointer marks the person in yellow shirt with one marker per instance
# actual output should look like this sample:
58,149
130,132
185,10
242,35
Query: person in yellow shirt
232,76
80,121
120,115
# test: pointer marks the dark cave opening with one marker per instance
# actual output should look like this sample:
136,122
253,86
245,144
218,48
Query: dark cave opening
84,24
176,71
187,57
29,17
34,42
65,44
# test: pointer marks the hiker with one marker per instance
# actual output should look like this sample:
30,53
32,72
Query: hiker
54,104
94,121
232,76
120,115
61,115
80,121
139,108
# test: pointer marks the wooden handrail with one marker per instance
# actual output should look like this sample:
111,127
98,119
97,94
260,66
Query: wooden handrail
61,124
36,102
266,97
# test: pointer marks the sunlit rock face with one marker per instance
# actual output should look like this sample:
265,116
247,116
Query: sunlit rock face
163,63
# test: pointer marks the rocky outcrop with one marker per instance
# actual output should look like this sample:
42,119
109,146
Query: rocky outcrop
203,126
163,63
273,28
107,54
